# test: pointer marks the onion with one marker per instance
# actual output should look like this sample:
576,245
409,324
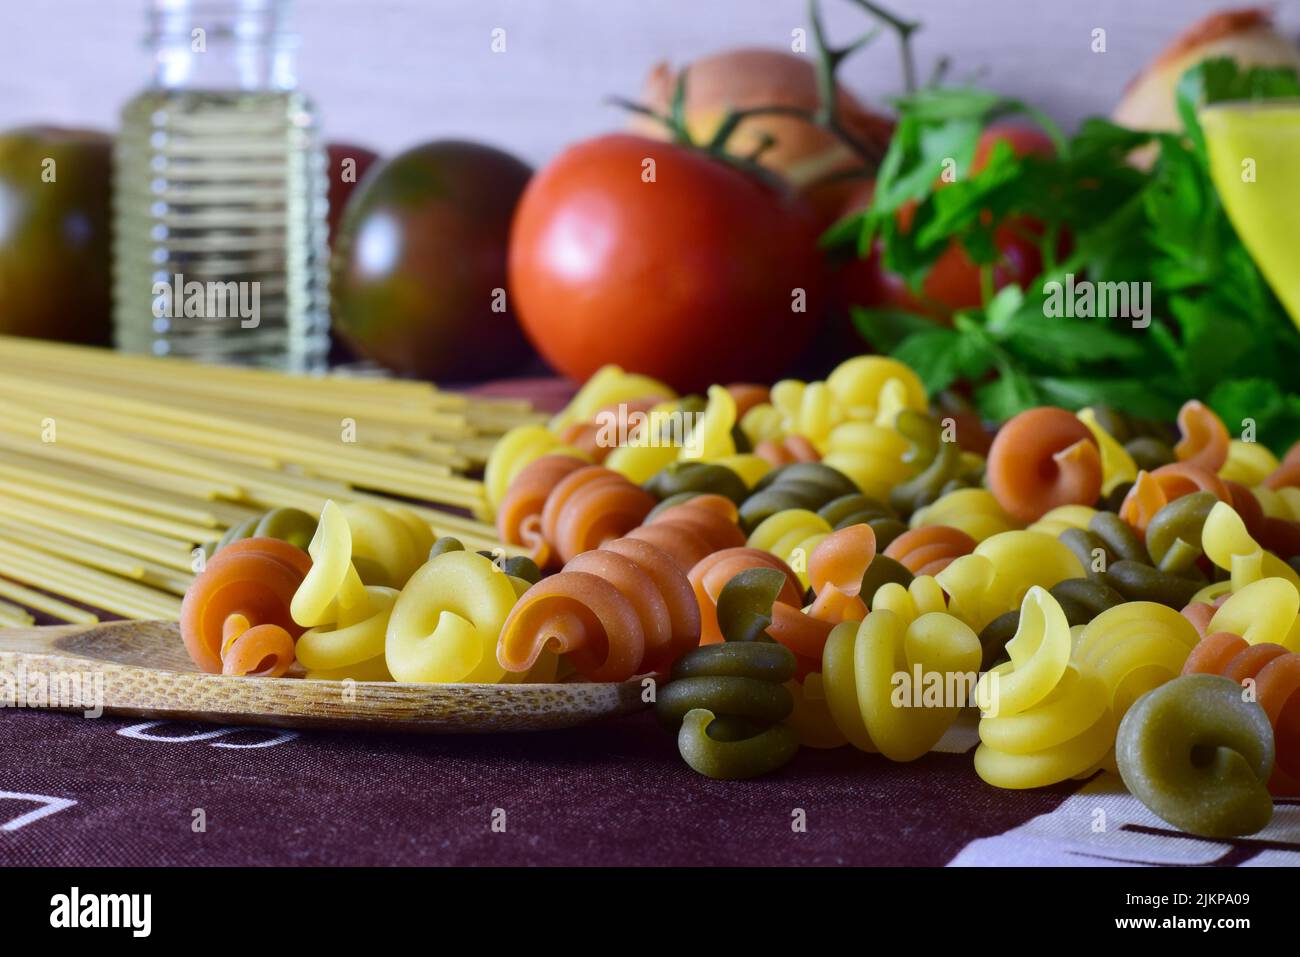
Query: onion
740,79
1246,35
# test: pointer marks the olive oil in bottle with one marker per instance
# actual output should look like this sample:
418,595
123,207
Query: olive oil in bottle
220,195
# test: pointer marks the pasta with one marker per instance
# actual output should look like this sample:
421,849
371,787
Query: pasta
792,448
872,707
1046,718
558,507
1081,599
1043,458
835,571
389,542
857,509
1199,756
870,454
1117,465
1249,463
445,624
608,386
699,477
519,517
930,549
249,585
727,703
974,511
1154,490
515,450
291,525
693,529
1133,648
806,485
1263,612
1229,545
1273,674
711,438
1064,517
713,572
791,535
1205,440
940,463
750,608
616,611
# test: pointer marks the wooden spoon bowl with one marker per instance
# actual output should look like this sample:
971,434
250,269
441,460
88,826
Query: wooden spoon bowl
146,673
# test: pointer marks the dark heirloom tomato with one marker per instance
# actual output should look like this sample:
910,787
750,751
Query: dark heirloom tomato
665,261
55,231
419,265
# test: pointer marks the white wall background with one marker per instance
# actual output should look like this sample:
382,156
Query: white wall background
389,73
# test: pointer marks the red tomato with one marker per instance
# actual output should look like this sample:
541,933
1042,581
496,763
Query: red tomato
692,278
953,282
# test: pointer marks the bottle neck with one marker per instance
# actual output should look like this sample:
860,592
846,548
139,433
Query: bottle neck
222,45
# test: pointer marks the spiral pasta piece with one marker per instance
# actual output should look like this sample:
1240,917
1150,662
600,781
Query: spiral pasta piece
1249,463
252,581
921,596
1229,545
258,651
974,511
693,529
728,703
1199,756
940,463
611,426
930,549
290,525
711,438
749,608
791,535
513,452
589,507
608,386
1044,719
711,574
791,448
1064,517
353,645
443,626
1117,466
835,571
1265,611
519,516
869,388
616,611
1154,490
876,711
860,510
1043,458
388,542
807,485
1133,648
1205,439
1274,674
871,455
332,587
699,477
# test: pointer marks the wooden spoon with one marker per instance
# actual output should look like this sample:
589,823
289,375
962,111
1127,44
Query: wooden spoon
147,673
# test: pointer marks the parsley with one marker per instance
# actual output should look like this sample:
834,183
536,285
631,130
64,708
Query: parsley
1216,329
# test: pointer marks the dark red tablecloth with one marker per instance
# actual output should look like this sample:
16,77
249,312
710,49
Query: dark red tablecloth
76,791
